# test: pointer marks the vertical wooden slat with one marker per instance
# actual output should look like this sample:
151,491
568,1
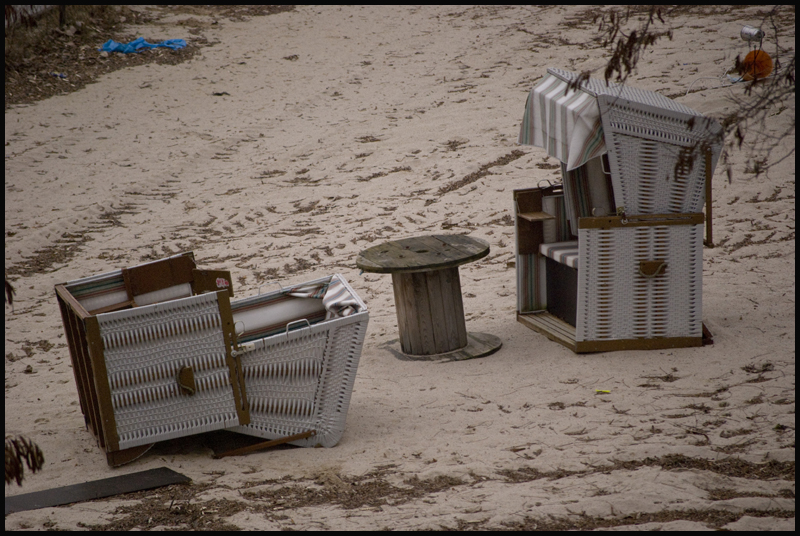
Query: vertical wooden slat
107,422
453,315
438,312
422,339
709,237
234,364
75,329
403,307
430,311
72,344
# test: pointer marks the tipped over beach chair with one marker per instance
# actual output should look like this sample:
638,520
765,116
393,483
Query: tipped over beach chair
156,356
151,354
611,258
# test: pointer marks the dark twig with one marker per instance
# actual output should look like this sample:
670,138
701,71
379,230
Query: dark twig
19,449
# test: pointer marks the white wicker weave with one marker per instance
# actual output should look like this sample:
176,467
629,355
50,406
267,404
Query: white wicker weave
302,380
645,133
144,350
615,301
640,272
644,146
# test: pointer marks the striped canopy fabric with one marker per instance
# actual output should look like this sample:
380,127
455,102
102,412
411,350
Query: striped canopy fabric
336,298
565,123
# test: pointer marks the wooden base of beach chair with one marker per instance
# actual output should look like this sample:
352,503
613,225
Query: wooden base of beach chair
559,331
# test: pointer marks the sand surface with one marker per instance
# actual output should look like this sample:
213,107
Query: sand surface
296,140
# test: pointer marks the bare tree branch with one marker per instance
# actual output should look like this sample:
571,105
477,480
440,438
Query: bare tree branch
762,99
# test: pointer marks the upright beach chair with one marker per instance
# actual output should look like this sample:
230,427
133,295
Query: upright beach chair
611,258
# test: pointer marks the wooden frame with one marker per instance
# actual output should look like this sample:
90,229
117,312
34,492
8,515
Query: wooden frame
176,366
87,350
529,221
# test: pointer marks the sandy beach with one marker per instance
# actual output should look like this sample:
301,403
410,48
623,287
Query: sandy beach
291,142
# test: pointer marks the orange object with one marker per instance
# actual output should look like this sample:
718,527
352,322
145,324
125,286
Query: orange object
756,65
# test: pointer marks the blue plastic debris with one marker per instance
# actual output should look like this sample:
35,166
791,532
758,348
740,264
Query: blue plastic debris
137,45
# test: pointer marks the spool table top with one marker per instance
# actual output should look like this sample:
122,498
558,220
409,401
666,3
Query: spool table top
422,254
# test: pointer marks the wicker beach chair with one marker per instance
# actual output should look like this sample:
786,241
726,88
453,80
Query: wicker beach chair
156,355
612,258
151,354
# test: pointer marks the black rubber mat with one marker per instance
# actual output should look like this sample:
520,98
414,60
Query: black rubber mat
97,489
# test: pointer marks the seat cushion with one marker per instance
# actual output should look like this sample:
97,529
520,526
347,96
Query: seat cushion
563,252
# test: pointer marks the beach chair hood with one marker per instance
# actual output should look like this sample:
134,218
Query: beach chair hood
646,136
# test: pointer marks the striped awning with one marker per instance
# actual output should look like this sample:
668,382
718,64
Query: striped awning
565,123
335,297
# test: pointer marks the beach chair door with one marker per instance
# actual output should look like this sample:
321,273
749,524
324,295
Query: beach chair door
167,370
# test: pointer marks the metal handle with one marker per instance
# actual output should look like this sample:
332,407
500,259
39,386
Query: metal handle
239,333
186,381
271,282
243,348
297,322
651,269
621,214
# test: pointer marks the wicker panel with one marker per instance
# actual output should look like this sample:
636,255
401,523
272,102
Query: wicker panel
303,380
645,145
144,350
344,353
282,376
615,299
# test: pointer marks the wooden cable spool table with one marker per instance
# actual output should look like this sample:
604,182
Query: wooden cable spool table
427,294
